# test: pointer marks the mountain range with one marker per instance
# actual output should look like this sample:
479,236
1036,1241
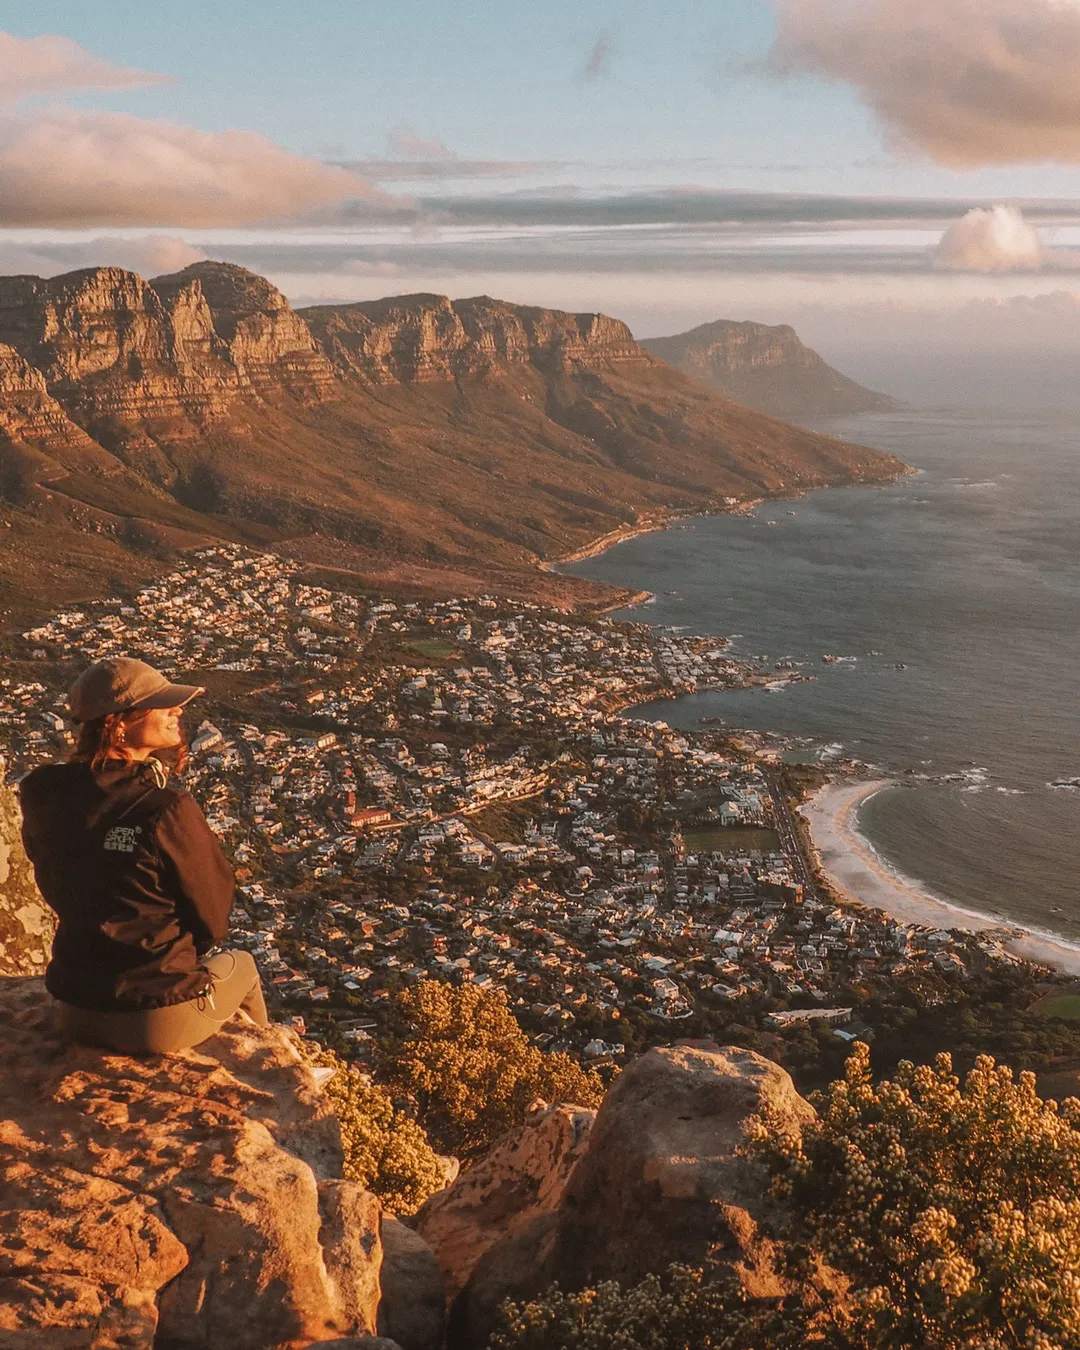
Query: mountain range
767,368
416,441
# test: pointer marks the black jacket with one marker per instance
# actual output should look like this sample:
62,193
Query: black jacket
137,878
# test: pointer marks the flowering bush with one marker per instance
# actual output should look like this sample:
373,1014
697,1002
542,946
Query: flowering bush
470,1069
385,1151
952,1208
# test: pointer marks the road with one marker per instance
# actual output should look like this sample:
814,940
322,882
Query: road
790,838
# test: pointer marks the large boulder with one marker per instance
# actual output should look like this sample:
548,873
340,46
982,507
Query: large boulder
181,1202
665,1178
662,1178
26,922
412,1310
522,1177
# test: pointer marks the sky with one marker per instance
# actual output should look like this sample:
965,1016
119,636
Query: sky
874,171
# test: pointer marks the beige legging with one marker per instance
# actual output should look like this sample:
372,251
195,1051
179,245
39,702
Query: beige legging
162,1031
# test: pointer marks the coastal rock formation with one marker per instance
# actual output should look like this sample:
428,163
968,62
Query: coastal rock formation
766,368
190,1201
449,443
661,1179
26,922
522,1177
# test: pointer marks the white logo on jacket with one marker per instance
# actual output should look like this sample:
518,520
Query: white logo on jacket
122,838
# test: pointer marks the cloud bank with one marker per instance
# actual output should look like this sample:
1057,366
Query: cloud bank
968,82
994,240
69,169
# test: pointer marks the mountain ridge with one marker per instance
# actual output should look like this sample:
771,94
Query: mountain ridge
411,439
765,367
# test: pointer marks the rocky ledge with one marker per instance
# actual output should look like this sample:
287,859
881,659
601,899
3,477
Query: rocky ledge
187,1202
196,1202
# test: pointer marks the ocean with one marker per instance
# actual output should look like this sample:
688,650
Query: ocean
968,576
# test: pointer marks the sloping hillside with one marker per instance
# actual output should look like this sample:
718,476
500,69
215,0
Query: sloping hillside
766,368
412,439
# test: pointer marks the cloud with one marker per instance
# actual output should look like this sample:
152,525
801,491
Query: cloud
54,65
598,61
693,206
149,254
67,169
406,144
409,170
994,240
968,82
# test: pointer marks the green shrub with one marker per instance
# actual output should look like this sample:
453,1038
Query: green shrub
469,1068
385,1151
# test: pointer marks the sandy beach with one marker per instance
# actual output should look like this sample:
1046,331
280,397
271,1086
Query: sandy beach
856,871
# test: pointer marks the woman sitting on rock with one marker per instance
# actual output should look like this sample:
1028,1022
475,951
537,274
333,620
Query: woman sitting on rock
135,874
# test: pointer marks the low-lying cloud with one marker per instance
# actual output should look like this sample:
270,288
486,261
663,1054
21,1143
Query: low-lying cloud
968,82
994,240
148,254
70,169
56,65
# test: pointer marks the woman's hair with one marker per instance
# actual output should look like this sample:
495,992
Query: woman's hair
102,738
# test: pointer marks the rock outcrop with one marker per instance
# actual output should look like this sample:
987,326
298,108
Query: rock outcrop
414,339
412,1307
183,1202
766,368
661,1178
135,363
26,922
270,348
521,1178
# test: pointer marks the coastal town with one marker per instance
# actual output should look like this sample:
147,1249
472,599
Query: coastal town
450,789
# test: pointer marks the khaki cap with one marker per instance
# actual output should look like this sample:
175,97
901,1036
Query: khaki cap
124,685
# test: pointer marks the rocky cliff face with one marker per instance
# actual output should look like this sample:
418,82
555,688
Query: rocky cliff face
414,339
269,348
26,922
135,362
766,368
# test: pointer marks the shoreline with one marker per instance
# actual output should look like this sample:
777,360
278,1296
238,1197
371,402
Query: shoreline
605,541
855,870
860,876
652,525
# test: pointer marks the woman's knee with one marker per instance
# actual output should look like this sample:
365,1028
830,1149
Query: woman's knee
234,964
246,969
